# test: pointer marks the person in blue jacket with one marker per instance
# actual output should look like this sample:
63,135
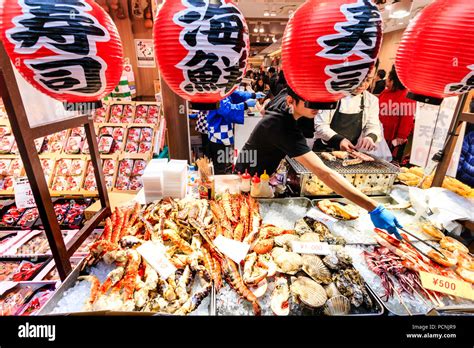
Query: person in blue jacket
465,172
221,127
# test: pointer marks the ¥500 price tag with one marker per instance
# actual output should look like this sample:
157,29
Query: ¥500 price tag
446,285
23,194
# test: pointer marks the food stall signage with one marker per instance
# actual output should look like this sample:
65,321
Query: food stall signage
233,249
23,195
316,248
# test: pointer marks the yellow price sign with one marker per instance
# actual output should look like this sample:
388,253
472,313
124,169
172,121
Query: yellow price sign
446,285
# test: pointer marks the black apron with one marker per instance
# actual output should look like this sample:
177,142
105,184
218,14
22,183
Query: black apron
347,125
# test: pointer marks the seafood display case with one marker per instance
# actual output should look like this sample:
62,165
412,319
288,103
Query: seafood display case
24,298
372,178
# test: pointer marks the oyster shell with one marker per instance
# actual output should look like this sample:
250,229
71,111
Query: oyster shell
277,251
308,292
285,240
280,296
309,237
315,268
338,305
331,261
301,227
345,260
288,262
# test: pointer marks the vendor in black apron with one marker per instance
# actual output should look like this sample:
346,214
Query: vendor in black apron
278,135
354,124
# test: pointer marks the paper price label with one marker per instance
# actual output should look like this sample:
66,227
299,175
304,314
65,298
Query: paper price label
23,194
446,285
318,215
316,248
154,254
233,249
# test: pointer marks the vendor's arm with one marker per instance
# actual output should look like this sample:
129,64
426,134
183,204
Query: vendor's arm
336,181
232,113
241,96
323,131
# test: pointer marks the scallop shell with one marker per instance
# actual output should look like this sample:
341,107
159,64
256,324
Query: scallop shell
260,289
315,268
309,237
280,296
285,240
338,305
288,262
331,290
309,292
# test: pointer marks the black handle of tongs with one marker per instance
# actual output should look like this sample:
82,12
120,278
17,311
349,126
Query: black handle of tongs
419,239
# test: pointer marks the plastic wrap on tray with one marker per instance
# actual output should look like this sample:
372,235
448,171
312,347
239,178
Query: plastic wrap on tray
73,145
63,167
99,115
122,182
84,248
37,301
4,130
105,144
134,134
119,134
85,146
6,144
131,147
39,144
73,183
139,167
90,183
128,111
136,183
106,130
125,167
13,299
141,111
7,237
35,243
116,110
78,132
7,269
109,181
61,209
28,218
11,216
4,165
115,119
77,167
47,165
146,134
75,214
109,167
16,167
25,271
144,147
59,183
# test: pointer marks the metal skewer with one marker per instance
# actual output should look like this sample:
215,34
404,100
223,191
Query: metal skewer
419,239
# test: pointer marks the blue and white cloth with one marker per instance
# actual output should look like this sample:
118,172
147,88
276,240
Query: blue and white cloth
221,121
201,123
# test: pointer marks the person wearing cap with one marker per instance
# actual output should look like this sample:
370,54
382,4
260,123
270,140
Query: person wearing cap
353,125
278,135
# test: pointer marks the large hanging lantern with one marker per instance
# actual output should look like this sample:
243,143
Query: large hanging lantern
202,48
435,58
329,47
67,49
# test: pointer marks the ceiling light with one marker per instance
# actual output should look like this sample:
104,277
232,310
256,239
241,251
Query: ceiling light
266,13
267,39
258,38
401,9
255,29
274,39
262,29
273,14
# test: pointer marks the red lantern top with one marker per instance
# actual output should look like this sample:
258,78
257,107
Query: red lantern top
67,49
435,58
329,47
202,48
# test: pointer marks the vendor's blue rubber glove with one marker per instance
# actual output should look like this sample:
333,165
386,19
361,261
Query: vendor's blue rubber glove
251,103
385,220
193,116
260,95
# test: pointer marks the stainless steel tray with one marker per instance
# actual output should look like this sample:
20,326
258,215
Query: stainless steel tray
71,280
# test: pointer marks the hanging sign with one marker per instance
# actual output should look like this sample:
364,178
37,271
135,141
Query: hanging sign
23,195
145,54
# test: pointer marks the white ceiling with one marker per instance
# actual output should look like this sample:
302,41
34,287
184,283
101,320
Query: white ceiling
254,10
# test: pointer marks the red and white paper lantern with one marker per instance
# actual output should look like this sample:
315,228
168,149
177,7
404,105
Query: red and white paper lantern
329,47
67,49
202,48
435,58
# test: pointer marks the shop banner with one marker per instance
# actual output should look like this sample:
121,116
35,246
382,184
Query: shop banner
145,53
428,131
